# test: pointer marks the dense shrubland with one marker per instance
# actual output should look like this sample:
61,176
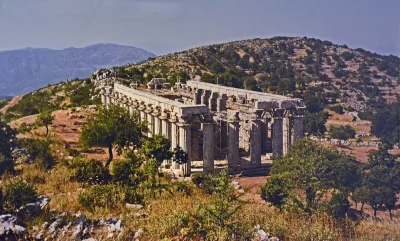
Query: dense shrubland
55,97
312,178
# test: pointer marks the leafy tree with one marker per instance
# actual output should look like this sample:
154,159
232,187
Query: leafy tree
342,132
380,182
339,205
386,122
180,156
39,151
275,192
217,67
310,172
112,126
90,171
157,147
127,172
45,118
314,123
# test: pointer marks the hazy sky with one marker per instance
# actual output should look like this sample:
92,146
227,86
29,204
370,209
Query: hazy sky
164,26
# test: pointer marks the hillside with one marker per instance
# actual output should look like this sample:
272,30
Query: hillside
25,70
356,78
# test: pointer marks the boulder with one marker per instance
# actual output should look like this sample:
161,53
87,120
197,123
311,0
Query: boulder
9,228
134,206
33,209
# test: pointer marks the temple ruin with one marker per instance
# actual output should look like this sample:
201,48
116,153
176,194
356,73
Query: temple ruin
210,121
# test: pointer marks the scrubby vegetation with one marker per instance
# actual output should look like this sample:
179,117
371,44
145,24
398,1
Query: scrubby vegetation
313,193
55,97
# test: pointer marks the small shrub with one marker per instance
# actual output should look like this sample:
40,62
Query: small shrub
275,192
336,108
6,164
184,187
18,193
126,172
133,195
339,205
198,179
90,171
40,151
105,196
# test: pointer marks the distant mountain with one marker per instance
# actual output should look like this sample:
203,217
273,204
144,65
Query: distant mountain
27,69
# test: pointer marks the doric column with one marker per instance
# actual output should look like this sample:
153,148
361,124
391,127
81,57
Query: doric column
197,97
208,143
143,115
174,138
285,134
255,139
164,125
233,135
150,121
298,124
212,101
221,102
277,142
264,135
157,121
131,108
185,144
204,97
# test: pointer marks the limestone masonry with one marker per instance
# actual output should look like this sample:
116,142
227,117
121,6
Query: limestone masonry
209,121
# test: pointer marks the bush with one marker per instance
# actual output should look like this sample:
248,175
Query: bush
6,164
90,171
342,132
40,151
339,205
184,187
105,196
17,194
336,108
126,172
198,179
275,192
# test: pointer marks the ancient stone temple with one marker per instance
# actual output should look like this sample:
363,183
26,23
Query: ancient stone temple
210,121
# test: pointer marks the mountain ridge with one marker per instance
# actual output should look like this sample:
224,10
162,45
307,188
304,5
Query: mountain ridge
24,70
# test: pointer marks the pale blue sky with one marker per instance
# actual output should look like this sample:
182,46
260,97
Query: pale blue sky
164,26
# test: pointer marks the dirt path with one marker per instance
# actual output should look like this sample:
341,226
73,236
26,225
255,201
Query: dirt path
13,102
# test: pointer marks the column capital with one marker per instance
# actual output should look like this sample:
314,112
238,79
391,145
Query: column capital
148,109
208,118
278,113
256,115
299,112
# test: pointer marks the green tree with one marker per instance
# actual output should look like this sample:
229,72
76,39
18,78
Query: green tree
45,118
39,151
157,147
314,123
112,127
310,172
275,192
342,132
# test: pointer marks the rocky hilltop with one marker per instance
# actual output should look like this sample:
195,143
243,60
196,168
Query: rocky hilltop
25,70
356,78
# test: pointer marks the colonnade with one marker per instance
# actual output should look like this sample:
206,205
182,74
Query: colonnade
171,119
